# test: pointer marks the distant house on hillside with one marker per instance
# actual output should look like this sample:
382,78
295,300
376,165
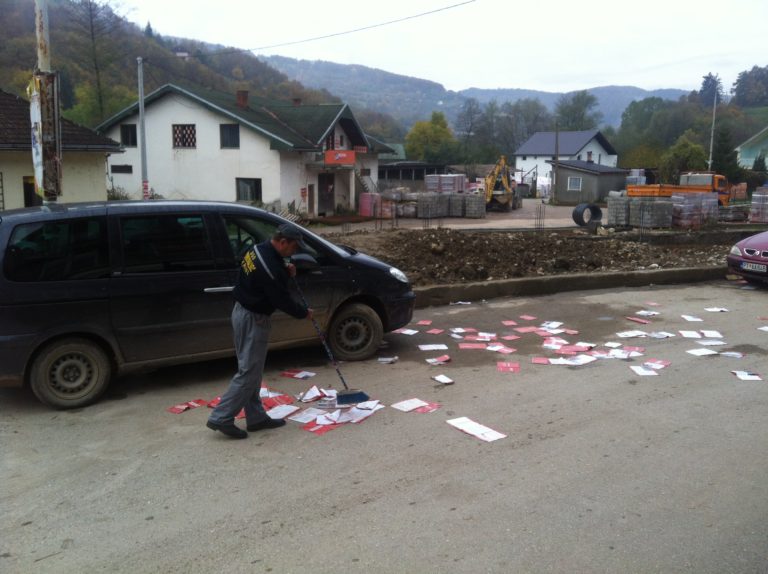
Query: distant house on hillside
585,181
532,159
83,158
203,144
749,151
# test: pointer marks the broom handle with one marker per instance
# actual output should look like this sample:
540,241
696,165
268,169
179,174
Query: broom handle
322,336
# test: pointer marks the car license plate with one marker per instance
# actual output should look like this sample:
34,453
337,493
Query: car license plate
759,267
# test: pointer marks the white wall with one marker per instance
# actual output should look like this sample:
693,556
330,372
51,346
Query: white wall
82,177
204,172
599,156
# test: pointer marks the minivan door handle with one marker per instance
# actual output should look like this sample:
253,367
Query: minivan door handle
218,289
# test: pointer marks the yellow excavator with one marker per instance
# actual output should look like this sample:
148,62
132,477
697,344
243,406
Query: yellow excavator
501,189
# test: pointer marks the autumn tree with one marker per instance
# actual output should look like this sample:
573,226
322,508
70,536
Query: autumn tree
681,157
431,141
576,111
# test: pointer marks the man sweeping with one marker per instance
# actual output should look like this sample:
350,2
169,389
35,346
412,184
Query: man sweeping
262,287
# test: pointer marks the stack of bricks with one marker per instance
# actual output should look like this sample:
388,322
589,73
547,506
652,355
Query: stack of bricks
618,211
650,212
692,210
759,207
474,206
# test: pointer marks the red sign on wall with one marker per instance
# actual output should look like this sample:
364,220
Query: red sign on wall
339,157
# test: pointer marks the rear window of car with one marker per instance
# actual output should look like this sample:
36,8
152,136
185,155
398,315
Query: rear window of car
165,242
58,250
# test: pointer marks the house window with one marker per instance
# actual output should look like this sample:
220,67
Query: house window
574,184
341,142
184,136
121,168
229,135
248,189
330,142
128,135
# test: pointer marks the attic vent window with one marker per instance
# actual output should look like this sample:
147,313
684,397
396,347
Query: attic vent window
184,136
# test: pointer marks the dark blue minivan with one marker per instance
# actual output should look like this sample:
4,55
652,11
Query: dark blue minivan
90,290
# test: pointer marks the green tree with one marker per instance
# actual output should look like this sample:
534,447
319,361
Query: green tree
751,88
759,163
466,126
574,111
431,141
711,86
683,156
724,157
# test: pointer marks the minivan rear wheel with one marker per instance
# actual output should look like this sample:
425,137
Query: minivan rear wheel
70,373
356,332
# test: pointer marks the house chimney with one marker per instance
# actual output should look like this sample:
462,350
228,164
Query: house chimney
296,101
242,99
589,157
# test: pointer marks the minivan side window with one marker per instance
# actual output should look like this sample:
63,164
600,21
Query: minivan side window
58,250
165,242
245,232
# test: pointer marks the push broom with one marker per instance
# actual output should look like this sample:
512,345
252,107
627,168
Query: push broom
347,396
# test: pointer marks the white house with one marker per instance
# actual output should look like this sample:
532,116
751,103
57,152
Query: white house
753,148
202,144
531,158
83,158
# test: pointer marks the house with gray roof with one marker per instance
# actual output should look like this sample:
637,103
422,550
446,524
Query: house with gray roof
84,156
202,144
532,159
580,181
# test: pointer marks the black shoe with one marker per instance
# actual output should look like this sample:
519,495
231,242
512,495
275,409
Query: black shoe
266,424
228,429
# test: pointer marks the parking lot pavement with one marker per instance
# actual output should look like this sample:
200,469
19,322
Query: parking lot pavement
602,469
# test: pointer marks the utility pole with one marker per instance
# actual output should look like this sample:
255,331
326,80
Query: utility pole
44,114
142,132
712,133
557,158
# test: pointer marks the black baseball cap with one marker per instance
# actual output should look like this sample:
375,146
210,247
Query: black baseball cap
289,231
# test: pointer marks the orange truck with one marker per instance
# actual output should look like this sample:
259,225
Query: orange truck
690,182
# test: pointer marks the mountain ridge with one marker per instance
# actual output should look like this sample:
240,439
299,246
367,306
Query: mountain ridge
410,99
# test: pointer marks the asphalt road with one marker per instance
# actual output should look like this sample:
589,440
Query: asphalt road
601,469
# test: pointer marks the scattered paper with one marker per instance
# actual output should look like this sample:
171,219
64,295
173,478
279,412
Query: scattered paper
509,323
443,379
710,342
656,363
732,354
297,374
310,395
319,429
472,345
643,371
551,324
510,337
282,411
527,317
469,426
710,334
763,329
409,405
177,409
434,347
691,318
428,408
540,360
747,376
461,303
630,334
405,331
646,313
436,331
425,322
716,309
441,360
505,367
307,415
638,320
661,335
702,352
388,360
691,334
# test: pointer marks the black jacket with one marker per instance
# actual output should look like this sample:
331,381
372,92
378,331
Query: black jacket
263,290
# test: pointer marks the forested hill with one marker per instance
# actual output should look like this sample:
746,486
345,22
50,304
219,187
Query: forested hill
95,52
411,99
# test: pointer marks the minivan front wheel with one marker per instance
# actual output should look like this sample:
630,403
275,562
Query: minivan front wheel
356,332
70,373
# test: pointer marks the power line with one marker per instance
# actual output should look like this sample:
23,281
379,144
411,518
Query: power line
314,39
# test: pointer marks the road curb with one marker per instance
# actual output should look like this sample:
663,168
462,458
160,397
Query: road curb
525,286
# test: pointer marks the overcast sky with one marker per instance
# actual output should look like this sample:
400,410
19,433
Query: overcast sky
549,45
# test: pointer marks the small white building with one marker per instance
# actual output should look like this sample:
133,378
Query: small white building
202,144
83,158
533,158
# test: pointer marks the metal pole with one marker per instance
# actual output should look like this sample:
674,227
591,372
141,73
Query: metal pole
142,133
712,133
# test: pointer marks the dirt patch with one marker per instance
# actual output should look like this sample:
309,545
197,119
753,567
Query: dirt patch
441,256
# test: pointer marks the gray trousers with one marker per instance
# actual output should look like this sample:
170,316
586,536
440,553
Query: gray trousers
251,331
